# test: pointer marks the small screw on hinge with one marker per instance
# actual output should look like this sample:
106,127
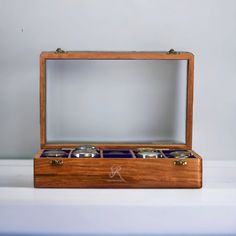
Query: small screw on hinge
172,51
59,50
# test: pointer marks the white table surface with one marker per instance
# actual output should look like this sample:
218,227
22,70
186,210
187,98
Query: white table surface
207,211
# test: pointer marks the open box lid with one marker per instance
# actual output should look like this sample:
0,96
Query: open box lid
116,100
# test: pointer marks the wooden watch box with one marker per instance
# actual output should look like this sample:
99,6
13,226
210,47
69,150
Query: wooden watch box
118,102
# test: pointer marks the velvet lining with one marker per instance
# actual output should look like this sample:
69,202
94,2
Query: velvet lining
117,154
113,154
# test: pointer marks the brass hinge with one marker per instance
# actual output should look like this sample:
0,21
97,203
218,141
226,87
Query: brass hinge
180,162
59,50
56,162
172,51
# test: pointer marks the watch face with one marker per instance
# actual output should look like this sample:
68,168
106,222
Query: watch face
149,154
85,153
54,153
181,154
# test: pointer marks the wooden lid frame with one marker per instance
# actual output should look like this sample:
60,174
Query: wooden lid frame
117,56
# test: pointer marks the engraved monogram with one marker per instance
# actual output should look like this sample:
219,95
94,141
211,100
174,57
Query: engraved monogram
115,174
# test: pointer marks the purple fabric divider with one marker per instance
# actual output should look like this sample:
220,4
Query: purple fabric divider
101,153
132,153
117,154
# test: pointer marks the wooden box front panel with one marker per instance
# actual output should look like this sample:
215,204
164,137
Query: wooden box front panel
118,173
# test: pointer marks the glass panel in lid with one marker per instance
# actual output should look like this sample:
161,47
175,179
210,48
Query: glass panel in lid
116,101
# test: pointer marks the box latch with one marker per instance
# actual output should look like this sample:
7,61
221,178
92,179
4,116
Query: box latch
56,162
180,162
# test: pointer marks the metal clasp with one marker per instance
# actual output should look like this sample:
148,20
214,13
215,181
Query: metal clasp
56,162
180,162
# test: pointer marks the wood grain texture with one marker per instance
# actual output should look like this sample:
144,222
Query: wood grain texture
42,101
118,173
116,56
189,118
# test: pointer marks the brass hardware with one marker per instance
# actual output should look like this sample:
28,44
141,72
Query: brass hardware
172,51
180,162
56,162
59,50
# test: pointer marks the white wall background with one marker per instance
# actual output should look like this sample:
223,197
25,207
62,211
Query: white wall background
207,28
